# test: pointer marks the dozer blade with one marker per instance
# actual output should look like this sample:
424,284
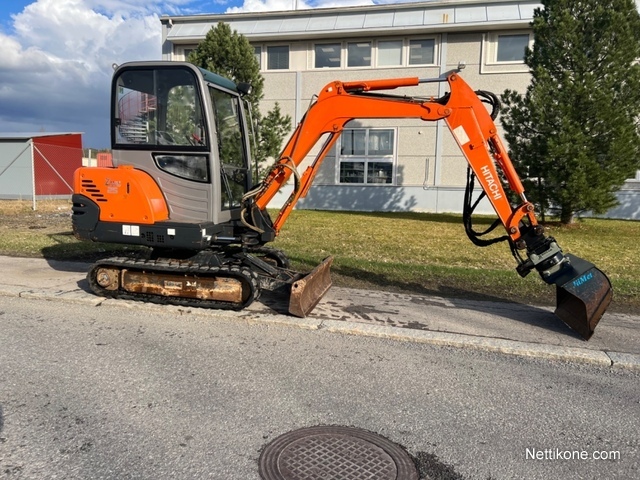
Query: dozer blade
307,291
583,295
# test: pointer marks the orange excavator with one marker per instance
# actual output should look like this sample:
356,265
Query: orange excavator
183,185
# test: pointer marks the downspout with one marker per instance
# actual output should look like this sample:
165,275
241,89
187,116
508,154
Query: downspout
33,174
437,165
167,46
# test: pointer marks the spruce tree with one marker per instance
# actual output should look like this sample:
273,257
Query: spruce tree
230,55
574,134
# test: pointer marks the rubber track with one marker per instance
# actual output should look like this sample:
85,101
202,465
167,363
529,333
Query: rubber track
180,267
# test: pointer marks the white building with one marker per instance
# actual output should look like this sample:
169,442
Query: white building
382,165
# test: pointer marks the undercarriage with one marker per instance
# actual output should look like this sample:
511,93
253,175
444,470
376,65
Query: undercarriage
229,279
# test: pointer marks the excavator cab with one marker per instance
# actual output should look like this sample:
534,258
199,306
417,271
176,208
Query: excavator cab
182,167
184,127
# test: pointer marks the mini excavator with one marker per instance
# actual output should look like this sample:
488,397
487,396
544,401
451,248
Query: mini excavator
183,185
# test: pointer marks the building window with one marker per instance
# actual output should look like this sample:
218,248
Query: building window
183,52
257,52
389,53
359,54
504,51
366,155
278,57
327,55
422,52
510,48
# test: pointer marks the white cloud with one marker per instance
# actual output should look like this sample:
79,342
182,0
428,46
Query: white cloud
56,58
280,5
70,30
56,65
268,6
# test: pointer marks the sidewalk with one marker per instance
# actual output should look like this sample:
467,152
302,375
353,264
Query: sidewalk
490,326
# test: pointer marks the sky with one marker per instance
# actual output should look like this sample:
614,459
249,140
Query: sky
57,55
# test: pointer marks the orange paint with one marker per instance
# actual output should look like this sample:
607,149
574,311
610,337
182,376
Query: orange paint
124,194
464,113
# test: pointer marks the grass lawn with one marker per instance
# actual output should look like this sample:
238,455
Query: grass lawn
410,252
430,253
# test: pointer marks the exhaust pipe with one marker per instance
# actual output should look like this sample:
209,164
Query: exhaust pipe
583,295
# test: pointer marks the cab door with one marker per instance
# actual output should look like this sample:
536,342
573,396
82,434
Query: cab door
232,179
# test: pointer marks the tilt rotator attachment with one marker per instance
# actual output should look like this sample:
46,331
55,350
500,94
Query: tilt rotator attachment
583,292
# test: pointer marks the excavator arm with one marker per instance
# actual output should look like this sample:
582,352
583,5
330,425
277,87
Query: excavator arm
583,291
463,111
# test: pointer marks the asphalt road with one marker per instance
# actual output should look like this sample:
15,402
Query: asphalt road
115,392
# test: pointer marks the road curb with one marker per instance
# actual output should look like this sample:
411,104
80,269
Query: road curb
509,347
624,360
616,360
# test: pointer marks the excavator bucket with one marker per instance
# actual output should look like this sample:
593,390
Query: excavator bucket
307,291
583,295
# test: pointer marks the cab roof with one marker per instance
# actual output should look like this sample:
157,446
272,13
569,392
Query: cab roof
218,80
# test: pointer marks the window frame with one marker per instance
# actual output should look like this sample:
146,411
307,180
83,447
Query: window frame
268,63
491,43
417,39
181,51
160,109
315,55
513,35
374,45
402,43
367,158
186,166
257,52
230,197
357,44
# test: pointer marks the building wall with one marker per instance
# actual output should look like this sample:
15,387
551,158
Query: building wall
42,163
70,140
16,173
55,159
429,171
629,197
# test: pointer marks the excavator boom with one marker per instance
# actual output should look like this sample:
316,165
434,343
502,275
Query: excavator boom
583,291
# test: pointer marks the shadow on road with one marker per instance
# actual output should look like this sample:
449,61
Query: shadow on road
430,467
414,293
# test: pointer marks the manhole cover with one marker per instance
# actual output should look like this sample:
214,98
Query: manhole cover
335,453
